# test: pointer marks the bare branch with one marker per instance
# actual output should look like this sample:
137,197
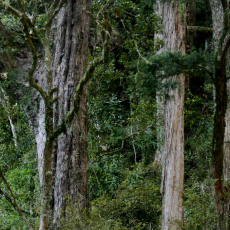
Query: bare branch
6,105
135,43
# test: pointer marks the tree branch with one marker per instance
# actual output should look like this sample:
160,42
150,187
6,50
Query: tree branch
12,204
54,9
200,29
9,8
109,3
35,59
66,121
13,200
7,34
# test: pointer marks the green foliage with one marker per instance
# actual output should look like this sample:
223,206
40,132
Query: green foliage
197,108
198,127
18,163
124,190
199,205
135,204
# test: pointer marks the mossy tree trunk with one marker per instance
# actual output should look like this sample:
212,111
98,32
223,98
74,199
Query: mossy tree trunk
63,162
61,83
70,153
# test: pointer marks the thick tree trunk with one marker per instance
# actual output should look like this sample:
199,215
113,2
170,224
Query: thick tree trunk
173,158
174,36
70,154
66,167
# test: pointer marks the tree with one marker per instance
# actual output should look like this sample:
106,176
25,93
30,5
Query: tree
220,19
54,121
174,32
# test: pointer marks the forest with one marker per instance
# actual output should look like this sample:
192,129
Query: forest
114,114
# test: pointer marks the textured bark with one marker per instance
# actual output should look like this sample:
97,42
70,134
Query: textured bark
221,45
226,165
227,140
57,83
70,31
70,154
217,21
172,158
159,98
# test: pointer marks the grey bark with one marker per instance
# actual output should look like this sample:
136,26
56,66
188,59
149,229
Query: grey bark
70,61
217,20
227,141
172,158
70,31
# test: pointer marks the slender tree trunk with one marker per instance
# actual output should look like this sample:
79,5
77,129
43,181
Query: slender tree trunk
159,97
174,36
227,152
220,25
227,140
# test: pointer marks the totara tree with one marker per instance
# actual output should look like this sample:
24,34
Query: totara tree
59,73
172,156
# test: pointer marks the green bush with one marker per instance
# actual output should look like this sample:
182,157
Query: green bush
136,204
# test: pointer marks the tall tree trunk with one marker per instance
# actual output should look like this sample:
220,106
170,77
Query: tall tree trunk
227,152
227,140
70,61
221,45
174,36
70,157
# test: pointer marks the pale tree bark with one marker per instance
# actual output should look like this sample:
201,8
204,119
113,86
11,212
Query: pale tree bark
226,164
70,32
227,141
62,78
159,97
70,154
70,70
172,158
